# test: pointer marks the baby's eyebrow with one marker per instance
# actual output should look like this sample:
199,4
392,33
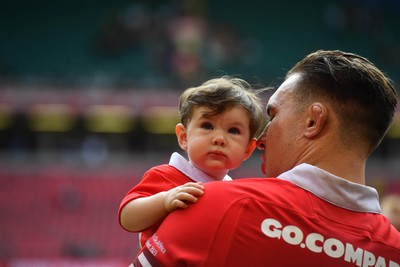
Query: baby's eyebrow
238,124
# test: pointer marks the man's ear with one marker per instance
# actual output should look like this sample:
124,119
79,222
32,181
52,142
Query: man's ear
180,131
250,147
316,119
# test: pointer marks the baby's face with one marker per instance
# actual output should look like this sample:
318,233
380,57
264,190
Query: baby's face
218,143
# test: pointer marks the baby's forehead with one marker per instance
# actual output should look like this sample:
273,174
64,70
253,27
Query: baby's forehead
199,112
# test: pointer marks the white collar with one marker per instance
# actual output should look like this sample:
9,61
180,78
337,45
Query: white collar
333,189
184,166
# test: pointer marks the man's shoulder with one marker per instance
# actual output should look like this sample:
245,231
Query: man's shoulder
250,181
384,232
256,190
253,185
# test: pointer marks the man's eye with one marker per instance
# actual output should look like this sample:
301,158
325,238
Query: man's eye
207,126
234,131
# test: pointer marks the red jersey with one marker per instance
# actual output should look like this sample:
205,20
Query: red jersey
163,178
305,217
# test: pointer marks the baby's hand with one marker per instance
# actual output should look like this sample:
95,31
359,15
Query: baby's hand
178,197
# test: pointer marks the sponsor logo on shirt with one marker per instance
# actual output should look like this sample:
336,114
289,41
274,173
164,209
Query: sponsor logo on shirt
158,245
317,243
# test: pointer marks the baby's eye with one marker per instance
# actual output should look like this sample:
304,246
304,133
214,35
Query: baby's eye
234,131
207,126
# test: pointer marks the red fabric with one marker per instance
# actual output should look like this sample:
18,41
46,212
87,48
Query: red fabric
272,222
157,179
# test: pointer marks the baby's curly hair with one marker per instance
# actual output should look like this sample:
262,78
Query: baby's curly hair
218,94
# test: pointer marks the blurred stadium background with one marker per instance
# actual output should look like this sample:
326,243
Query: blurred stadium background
88,95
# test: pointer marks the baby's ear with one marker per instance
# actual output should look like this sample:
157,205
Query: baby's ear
180,131
250,147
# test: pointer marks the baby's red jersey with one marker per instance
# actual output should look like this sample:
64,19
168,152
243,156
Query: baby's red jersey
163,178
157,179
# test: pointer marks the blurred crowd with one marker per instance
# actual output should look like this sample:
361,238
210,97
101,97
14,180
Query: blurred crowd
179,43
178,38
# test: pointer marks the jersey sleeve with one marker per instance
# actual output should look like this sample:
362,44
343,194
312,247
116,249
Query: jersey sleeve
157,179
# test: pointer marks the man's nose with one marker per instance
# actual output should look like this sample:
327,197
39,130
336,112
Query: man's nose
261,142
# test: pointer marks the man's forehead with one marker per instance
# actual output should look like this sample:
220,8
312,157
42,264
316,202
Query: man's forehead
290,82
284,88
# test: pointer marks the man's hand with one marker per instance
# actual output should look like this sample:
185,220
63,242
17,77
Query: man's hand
179,196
